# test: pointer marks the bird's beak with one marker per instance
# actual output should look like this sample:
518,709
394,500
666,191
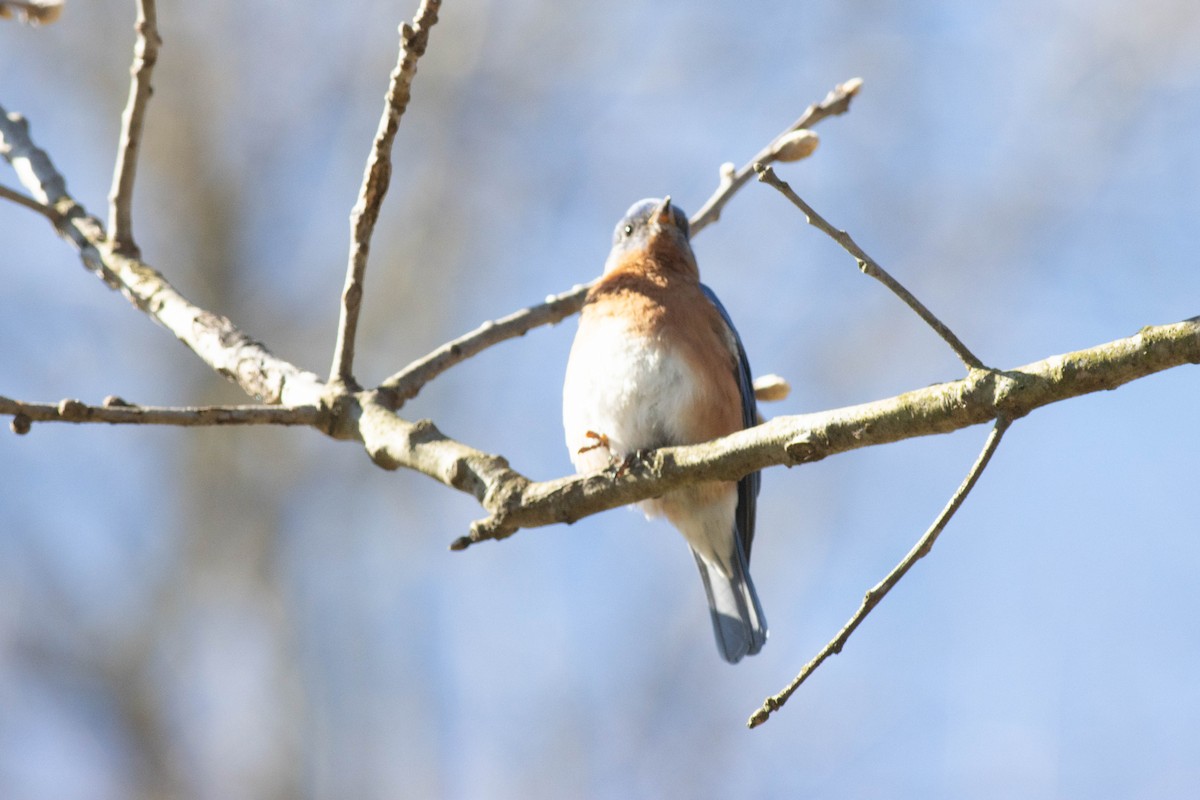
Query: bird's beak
662,214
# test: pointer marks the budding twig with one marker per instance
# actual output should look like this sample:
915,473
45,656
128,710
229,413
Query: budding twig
836,102
406,383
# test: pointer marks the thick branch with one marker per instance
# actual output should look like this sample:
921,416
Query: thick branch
395,443
120,197
876,594
213,338
869,266
376,177
982,396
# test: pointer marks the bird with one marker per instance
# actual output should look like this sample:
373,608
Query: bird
656,361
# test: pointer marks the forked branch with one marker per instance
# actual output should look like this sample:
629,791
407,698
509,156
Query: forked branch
376,177
836,102
877,592
405,384
869,266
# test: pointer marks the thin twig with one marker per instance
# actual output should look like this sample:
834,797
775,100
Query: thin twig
880,590
836,102
869,266
33,205
120,197
405,384
376,177
117,412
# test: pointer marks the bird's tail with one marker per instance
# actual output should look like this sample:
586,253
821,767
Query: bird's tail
737,616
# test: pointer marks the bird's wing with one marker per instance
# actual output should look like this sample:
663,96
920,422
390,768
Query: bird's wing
748,486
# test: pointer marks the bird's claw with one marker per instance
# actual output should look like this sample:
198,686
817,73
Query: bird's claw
600,440
637,457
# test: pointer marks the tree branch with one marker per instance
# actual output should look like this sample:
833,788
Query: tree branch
869,266
32,12
33,205
376,177
120,197
512,500
216,340
516,502
835,103
876,594
115,411
408,382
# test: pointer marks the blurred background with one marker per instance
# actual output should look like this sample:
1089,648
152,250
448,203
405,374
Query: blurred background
256,613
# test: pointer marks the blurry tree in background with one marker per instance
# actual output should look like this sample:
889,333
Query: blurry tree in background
256,612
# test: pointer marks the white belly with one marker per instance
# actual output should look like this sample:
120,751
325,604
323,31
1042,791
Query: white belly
625,387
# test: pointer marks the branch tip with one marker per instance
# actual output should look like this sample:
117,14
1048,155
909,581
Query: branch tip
837,101
145,56
868,266
376,178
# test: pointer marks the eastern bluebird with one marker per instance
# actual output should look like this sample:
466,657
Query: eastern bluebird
657,362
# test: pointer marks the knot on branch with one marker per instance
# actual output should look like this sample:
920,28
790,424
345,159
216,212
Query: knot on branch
72,410
806,448
1006,392
21,423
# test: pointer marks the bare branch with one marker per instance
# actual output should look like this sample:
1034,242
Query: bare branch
32,12
869,266
216,340
376,177
876,594
395,443
406,383
33,167
982,396
117,412
836,102
513,501
120,197
33,205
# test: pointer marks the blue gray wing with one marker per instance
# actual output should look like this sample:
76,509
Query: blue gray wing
748,486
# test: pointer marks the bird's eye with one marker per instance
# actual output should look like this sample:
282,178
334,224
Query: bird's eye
629,230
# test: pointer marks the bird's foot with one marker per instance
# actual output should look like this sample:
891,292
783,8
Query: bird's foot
598,440
634,459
